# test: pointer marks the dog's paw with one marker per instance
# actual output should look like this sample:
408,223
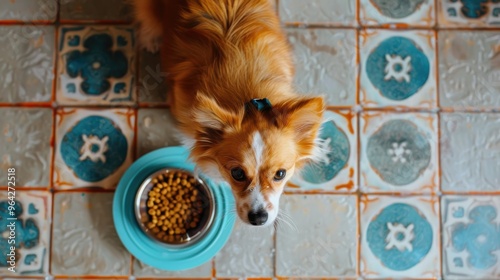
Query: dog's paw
149,39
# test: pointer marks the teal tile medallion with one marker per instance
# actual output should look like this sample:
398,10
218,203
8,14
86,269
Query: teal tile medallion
94,147
337,170
400,237
397,69
411,12
399,152
96,65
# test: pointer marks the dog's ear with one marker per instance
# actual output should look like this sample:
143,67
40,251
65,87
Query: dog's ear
212,117
304,117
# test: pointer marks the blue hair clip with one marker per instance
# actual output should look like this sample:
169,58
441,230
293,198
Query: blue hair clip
261,104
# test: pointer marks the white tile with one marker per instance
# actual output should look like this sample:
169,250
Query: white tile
410,12
470,152
156,129
319,54
144,270
248,253
469,69
318,239
338,12
85,239
469,13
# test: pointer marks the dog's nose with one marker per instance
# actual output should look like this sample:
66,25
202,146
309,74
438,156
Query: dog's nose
257,218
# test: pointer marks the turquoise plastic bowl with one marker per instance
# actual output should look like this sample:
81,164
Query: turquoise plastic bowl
143,247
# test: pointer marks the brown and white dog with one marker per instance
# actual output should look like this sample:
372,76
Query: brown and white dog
231,71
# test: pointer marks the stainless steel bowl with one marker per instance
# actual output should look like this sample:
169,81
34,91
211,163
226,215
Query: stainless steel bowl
192,235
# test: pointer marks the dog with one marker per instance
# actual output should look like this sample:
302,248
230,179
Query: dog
230,71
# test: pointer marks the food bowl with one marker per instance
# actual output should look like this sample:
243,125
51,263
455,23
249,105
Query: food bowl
204,200
202,245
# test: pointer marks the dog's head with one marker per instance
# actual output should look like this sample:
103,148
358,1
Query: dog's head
256,151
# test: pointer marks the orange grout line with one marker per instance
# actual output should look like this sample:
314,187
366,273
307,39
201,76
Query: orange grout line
95,22
51,231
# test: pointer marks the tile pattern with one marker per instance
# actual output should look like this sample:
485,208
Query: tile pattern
25,144
399,152
470,149
412,13
26,63
413,95
471,230
89,244
94,147
25,222
319,54
309,240
469,64
397,68
400,237
96,65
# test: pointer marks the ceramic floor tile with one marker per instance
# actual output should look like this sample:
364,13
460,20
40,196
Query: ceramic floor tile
28,10
400,237
469,13
86,240
26,63
30,214
86,10
94,147
469,63
25,145
319,54
336,12
338,171
152,81
156,129
314,245
143,270
400,12
96,65
248,253
399,152
471,237
398,69
470,152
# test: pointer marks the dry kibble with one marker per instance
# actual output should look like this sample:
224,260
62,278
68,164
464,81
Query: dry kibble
174,206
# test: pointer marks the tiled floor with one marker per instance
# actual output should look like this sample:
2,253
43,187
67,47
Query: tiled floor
412,188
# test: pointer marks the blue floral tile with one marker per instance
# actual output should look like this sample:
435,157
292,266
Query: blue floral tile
399,237
26,63
337,171
399,152
470,13
85,238
31,216
85,10
471,237
401,12
94,147
28,10
96,65
398,69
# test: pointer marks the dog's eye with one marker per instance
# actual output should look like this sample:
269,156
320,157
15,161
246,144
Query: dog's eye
280,174
238,174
